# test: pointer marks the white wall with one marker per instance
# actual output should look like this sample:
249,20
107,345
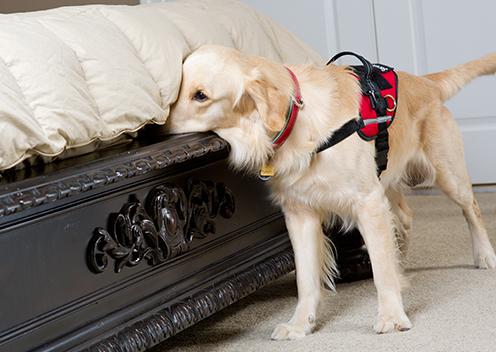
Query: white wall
306,19
329,26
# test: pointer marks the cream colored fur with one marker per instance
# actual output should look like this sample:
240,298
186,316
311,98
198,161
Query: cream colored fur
247,99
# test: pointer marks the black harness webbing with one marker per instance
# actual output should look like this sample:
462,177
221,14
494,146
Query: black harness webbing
341,134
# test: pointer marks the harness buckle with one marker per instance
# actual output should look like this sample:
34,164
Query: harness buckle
379,120
373,98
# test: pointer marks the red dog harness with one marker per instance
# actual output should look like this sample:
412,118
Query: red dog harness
379,85
373,114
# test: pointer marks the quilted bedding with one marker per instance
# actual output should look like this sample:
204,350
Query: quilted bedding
75,75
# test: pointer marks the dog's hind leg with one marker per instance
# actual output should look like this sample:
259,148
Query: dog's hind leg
307,238
445,152
375,223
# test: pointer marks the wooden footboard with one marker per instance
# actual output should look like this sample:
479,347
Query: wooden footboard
130,246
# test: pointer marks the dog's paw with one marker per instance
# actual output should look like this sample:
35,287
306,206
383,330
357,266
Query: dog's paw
389,324
290,331
486,261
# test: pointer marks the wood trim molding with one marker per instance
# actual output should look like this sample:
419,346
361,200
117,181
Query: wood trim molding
31,193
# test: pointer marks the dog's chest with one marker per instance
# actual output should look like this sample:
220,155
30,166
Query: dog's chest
325,193
333,182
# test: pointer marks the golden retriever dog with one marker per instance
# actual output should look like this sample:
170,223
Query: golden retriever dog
245,100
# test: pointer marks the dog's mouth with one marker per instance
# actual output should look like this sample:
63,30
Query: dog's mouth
173,128
175,125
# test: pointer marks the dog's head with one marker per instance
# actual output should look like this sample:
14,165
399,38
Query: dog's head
220,87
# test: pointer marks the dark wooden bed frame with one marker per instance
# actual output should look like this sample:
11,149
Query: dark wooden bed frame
122,248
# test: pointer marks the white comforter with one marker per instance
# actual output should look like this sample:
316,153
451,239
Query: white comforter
75,75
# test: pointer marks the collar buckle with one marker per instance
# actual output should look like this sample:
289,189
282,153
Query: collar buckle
300,104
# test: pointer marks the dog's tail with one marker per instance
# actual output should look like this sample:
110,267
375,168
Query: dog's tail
452,80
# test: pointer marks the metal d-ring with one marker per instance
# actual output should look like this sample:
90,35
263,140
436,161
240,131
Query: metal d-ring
393,100
300,104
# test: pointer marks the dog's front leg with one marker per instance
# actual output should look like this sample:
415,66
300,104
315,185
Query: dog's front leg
375,224
305,231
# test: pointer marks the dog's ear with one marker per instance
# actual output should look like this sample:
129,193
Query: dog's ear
269,101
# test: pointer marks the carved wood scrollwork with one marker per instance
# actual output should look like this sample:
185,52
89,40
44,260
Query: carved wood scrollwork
162,227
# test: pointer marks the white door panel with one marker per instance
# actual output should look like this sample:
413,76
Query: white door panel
354,23
400,40
465,33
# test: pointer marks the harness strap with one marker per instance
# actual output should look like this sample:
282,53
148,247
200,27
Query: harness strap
381,150
353,126
350,127
382,143
382,139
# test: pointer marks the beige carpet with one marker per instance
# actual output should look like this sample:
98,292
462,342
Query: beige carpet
451,304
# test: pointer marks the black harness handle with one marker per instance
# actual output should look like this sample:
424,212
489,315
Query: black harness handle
366,64
369,87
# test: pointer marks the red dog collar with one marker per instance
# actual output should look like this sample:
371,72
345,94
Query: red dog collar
295,105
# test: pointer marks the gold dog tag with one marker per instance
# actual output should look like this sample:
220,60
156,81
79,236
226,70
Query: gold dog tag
267,170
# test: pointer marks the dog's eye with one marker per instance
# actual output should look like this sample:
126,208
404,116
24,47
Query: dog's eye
200,96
